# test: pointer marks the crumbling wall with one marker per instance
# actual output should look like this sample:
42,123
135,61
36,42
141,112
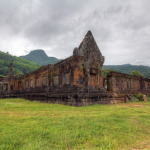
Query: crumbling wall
77,78
124,83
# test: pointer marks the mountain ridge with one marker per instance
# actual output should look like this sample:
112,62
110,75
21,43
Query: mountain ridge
43,59
145,70
40,57
23,65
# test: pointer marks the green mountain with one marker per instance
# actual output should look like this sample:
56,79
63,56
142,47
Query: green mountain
20,65
39,56
127,68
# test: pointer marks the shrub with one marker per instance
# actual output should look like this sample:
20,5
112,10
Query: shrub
134,100
136,73
148,98
139,96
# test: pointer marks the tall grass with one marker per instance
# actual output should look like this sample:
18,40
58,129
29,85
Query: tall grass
26,125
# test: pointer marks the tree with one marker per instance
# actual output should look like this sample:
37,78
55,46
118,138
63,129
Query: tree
136,73
19,74
105,72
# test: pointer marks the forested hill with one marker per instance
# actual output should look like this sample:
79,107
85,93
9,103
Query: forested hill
39,56
20,65
127,68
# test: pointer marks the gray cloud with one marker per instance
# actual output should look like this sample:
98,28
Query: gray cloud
121,28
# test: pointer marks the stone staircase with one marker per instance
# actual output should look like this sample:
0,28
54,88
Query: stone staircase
132,97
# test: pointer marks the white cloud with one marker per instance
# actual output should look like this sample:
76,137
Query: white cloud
121,28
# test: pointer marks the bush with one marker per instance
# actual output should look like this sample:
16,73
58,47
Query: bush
134,100
139,96
136,73
148,98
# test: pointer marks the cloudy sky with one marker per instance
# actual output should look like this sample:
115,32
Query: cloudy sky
121,28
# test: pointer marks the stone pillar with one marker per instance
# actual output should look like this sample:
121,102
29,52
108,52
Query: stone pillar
113,84
144,98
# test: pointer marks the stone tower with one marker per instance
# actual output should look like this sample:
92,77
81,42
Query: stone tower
89,49
93,61
10,69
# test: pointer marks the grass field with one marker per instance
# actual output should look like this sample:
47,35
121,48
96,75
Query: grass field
26,125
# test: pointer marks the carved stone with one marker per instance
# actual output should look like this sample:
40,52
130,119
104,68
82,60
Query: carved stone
77,80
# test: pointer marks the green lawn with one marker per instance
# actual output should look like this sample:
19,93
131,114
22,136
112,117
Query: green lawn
26,125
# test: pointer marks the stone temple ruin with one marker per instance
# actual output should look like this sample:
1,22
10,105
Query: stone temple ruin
77,80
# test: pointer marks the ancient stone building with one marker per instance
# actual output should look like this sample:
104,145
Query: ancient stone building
76,80
82,69
3,84
127,84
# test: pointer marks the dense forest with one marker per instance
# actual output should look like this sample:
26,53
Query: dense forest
20,65
40,57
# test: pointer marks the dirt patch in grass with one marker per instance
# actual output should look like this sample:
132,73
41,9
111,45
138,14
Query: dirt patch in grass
16,114
137,105
143,145
146,145
29,114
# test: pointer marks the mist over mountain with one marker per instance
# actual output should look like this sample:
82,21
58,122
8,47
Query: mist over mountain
40,57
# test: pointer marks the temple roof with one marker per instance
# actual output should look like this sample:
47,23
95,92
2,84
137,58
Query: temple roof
89,49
